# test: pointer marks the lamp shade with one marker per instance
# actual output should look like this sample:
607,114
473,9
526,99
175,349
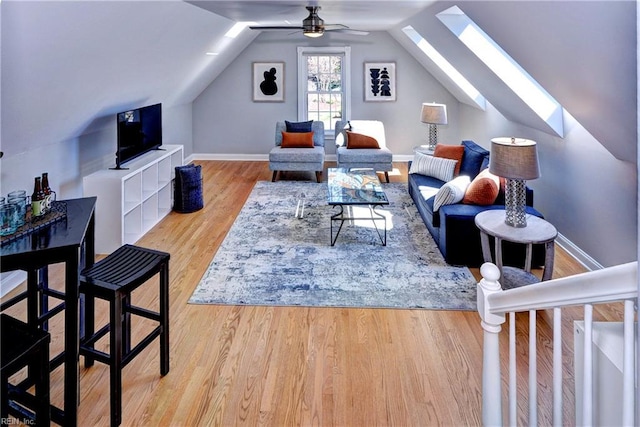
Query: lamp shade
435,114
515,158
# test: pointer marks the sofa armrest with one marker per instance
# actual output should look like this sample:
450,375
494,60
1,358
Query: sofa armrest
459,238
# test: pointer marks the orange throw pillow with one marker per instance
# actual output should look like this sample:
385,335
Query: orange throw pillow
297,139
483,190
358,140
454,152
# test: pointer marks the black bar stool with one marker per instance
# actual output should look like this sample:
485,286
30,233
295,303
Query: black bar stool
113,279
37,294
24,346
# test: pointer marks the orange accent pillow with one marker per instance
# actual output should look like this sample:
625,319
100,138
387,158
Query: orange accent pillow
297,140
483,190
358,140
454,152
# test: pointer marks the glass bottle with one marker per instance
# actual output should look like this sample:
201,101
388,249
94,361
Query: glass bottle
37,199
47,192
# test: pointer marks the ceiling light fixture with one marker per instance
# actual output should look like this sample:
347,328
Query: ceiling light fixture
313,33
313,25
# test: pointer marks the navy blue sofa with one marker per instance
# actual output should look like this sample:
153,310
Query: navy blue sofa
453,226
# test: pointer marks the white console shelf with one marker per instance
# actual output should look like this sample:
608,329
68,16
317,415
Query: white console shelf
132,200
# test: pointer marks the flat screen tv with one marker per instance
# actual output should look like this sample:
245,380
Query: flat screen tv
139,131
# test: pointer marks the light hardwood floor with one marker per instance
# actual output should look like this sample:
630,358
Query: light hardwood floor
283,366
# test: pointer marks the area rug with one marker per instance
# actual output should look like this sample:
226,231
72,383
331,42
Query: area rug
270,256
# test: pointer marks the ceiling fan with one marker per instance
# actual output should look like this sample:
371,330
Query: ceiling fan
313,26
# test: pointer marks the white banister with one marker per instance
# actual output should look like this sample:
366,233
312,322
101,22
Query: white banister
618,283
628,366
557,367
533,370
513,376
621,284
587,371
491,323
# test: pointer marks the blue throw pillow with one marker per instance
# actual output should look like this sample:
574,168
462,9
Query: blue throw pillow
473,158
299,126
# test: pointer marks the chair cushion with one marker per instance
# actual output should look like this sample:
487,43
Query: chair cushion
297,140
299,155
299,126
317,127
359,141
372,128
363,155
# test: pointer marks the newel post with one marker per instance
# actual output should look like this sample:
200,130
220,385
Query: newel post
491,377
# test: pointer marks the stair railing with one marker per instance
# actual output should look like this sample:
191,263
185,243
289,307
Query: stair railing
618,283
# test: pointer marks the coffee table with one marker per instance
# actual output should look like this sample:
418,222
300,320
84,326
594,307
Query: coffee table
349,188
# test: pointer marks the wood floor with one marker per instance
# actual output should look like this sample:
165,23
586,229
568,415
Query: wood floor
281,366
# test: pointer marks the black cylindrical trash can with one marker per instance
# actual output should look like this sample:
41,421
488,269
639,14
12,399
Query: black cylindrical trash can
188,189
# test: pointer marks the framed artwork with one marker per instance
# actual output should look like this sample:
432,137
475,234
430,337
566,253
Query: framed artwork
268,81
379,81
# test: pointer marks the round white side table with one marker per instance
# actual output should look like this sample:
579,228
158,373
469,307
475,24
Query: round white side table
537,231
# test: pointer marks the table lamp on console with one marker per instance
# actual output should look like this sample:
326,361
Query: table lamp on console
434,115
515,159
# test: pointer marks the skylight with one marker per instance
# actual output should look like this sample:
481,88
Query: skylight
236,29
508,70
445,66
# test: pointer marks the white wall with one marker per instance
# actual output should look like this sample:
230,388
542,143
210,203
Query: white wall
69,160
227,122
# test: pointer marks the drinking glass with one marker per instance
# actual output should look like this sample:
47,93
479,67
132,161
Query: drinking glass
8,219
17,193
21,202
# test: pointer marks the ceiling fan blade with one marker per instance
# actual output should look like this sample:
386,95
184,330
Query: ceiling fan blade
348,31
275,28
334,26
312,26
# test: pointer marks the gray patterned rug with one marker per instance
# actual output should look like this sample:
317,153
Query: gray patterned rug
270,257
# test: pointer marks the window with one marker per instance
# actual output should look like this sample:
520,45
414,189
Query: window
323,85
505,67
445,66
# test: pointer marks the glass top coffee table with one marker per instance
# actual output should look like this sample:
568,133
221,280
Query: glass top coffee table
356,188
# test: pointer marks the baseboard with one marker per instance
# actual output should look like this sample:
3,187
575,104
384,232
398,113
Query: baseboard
189,159
235,156
403,157
265,157
10,281
578,254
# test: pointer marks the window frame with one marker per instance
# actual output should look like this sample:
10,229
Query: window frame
303,52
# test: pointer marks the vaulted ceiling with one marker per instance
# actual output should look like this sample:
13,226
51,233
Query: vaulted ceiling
68,66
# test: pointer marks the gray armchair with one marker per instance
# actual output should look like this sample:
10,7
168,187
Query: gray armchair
298,159
378,159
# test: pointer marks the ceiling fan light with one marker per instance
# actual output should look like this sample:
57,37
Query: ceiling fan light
313,33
